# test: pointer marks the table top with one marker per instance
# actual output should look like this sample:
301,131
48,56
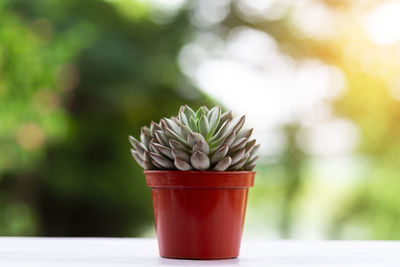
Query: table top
54,252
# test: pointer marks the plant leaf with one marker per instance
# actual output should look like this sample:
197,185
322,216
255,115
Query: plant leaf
229,139
183,118
188,111
205,109
203,126
200,161
238,144
185,131
162,161
219,154
153,127
145,136
161,138
244,133
178,154
223,164
166,151
237,124
193,138
200,112
182,165
238,165
213,118
178,146
239,155
222,132
202,146
193,124
138,159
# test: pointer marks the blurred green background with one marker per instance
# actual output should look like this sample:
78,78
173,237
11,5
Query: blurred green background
317,79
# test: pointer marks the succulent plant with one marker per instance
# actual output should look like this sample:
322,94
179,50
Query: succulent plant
201,140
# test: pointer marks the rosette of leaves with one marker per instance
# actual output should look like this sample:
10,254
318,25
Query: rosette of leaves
201,140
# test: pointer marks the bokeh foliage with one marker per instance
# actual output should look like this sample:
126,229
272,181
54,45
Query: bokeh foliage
77,78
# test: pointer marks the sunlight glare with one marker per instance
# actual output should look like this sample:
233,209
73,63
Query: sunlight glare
382,25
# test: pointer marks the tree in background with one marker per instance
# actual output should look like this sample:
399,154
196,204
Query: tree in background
83,76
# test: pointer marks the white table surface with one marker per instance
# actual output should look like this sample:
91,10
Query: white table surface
117,252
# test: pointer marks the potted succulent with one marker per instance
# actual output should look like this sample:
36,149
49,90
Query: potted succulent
199,167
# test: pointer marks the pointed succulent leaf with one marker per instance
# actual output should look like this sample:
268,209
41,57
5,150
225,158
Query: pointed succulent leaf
221,133
238,144
249,167
205,109
188,111
193,124
238,165
200,160
252,161
146,156
226,116
138,159
145,136
250,145
137,145
168,164
182,165
254,150
158,166
193,138
172,126
148,165
152,148
213,118
229,139
174,136
200,112
166,151
203,125
237,124
176,120
219,154
183,118
161,138
178,146
140,148
239,155
133,140
153,127
179,154
202,146
185,131
223,164
244,133
210,112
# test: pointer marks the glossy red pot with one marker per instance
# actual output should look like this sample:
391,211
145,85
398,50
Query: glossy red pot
199,214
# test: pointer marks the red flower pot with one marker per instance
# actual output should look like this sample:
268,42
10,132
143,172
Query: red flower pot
199,214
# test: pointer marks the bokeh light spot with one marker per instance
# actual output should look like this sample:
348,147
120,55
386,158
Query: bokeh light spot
30,137
382,23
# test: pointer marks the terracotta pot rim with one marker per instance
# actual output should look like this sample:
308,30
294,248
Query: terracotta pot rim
197,172
199,179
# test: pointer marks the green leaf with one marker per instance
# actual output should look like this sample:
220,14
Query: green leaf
200,112
188,111
203,126
183,118
193,125
214,115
